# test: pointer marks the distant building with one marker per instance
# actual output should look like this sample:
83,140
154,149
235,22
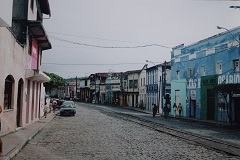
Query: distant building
131,90
158,79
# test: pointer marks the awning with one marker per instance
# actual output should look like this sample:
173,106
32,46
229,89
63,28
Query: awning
36,75
39,34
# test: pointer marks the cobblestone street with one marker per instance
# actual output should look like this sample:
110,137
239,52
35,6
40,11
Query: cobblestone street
94,135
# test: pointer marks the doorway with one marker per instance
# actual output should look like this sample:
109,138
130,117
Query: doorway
193,108
237,109
210,104
132,100
19,103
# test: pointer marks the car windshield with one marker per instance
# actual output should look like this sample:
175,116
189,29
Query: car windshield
68,103
67,106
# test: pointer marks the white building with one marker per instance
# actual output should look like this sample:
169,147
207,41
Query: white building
142,85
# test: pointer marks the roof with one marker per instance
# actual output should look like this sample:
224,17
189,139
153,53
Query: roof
133,71
40,34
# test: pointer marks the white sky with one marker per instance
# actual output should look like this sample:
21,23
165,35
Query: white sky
127,23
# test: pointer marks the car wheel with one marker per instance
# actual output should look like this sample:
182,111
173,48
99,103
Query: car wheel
73,114
61,114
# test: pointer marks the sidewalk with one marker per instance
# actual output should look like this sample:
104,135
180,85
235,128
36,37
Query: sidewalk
14,142
225,125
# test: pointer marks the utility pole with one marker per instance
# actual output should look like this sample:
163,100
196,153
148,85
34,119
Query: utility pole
121,88
165,73
95,95
76,86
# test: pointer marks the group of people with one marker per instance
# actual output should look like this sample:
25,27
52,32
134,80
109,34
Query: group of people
46,108
167,109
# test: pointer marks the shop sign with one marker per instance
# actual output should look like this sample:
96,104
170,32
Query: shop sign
193,94
194,83
34,65
233,78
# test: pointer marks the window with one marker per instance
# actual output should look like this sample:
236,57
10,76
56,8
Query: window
236,65
130,83
135,83
85,82
144,82
189,73
141,82
8,93
219,68
125,85
203,71
178,74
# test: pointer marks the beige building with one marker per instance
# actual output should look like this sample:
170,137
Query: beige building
22,42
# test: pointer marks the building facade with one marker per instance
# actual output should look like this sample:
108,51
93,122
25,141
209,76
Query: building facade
158,79
200,68
142,85
130,88
22,42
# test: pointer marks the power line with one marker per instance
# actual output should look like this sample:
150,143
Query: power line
105,39
91,64
107,47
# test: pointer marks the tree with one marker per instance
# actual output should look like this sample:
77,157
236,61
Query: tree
228,90
55,82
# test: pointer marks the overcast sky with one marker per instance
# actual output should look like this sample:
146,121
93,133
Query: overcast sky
90,36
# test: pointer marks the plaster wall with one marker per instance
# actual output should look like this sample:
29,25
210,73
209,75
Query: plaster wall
179,85
11,61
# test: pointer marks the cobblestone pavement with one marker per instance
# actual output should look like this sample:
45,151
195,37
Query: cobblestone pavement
212,131
93,135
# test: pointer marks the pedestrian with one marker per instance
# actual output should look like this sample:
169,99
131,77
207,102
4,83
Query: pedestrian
175,109
141,104
179,109
54,107
45,110
165,110
154,110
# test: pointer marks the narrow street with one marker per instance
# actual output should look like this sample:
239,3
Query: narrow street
91,134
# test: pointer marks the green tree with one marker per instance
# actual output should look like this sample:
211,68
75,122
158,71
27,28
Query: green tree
55,82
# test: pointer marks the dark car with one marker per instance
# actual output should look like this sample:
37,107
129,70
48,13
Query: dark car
68,108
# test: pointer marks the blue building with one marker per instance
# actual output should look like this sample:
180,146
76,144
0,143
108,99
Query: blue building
198,69
158,83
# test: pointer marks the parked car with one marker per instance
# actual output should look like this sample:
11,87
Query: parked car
68,108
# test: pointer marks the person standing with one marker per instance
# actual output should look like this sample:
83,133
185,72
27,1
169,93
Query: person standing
174,109
45,110
54,107
154,110
180,109
141,105
166,110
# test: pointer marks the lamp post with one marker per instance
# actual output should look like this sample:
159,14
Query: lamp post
218,27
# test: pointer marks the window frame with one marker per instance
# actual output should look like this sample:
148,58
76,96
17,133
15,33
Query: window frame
178,74
8,93
236,68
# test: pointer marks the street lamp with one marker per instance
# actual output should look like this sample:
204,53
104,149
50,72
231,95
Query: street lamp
218,27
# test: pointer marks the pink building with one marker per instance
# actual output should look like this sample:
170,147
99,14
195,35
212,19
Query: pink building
22,42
